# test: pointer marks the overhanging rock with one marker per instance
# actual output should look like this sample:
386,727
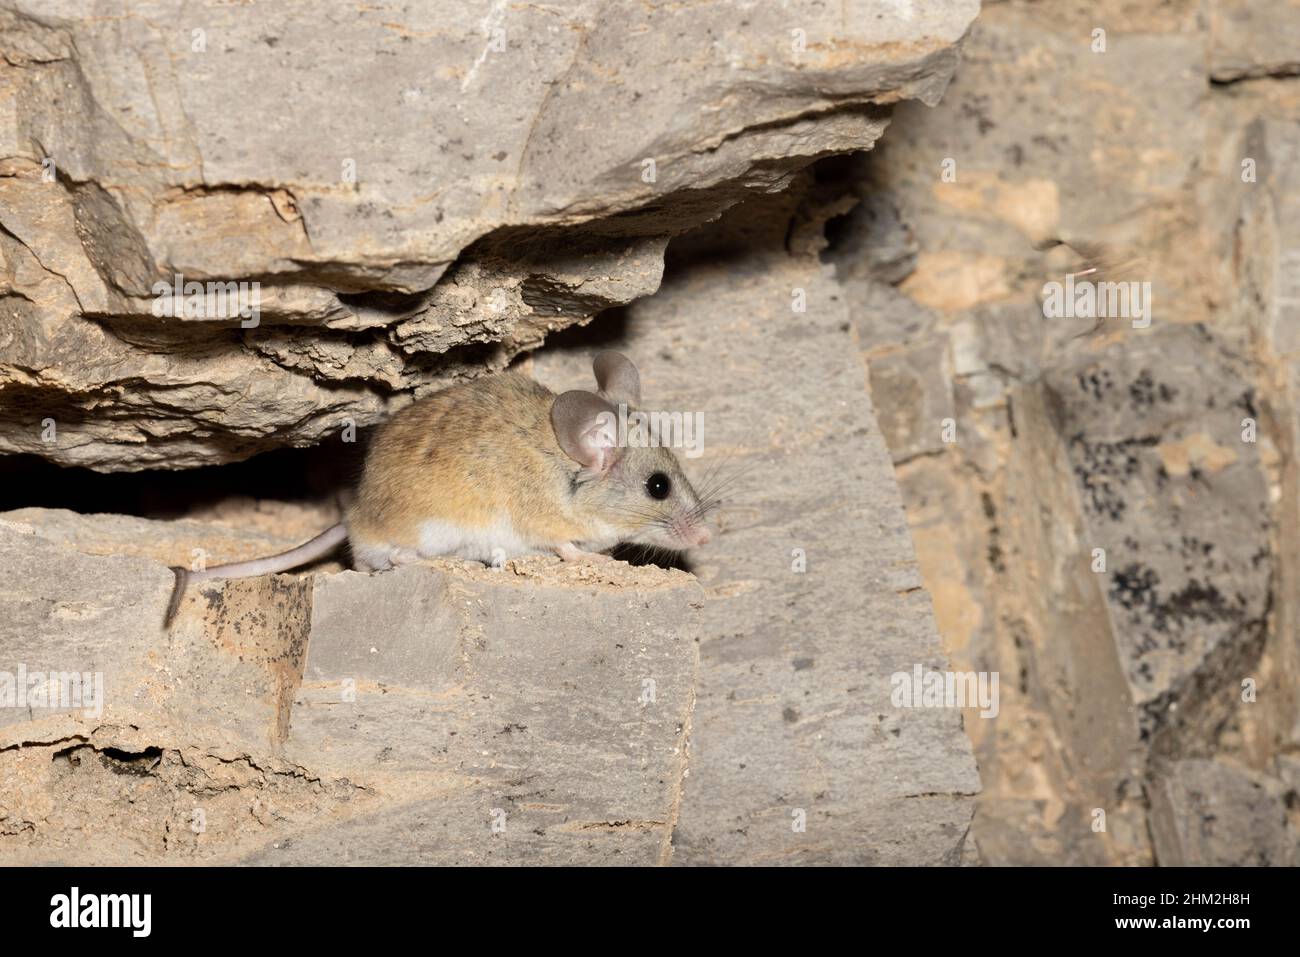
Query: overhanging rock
420,194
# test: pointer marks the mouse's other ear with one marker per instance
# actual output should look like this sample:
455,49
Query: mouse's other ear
586,427
617,378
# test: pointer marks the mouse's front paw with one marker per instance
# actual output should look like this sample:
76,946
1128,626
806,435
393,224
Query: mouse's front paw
572,553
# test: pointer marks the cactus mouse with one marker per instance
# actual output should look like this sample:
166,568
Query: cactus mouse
500,467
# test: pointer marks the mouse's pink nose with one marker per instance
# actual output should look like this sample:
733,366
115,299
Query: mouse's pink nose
703,536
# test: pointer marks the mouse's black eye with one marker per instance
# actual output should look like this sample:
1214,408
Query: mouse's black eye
658,485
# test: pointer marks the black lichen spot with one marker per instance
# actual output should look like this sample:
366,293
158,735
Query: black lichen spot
1096,383
1145,392
1160,620
976,108
1197,601
1101,467
995,541
1134,586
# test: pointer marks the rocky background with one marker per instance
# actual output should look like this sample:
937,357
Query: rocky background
924,466
1155,698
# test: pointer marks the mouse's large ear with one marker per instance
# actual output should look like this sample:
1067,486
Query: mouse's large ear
617,378
586,427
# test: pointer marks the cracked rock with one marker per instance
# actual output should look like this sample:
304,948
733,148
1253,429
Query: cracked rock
419,194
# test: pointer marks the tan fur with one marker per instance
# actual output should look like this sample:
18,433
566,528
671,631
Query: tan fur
458,457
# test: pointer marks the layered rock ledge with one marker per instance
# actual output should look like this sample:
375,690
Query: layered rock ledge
420,194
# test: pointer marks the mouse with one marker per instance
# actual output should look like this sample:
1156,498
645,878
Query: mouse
501,467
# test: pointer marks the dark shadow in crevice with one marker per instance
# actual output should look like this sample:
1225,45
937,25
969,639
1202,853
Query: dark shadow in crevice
303,476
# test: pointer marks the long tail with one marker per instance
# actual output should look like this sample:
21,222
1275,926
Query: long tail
318,547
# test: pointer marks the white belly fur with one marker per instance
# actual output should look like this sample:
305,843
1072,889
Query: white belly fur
437,539
497,541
